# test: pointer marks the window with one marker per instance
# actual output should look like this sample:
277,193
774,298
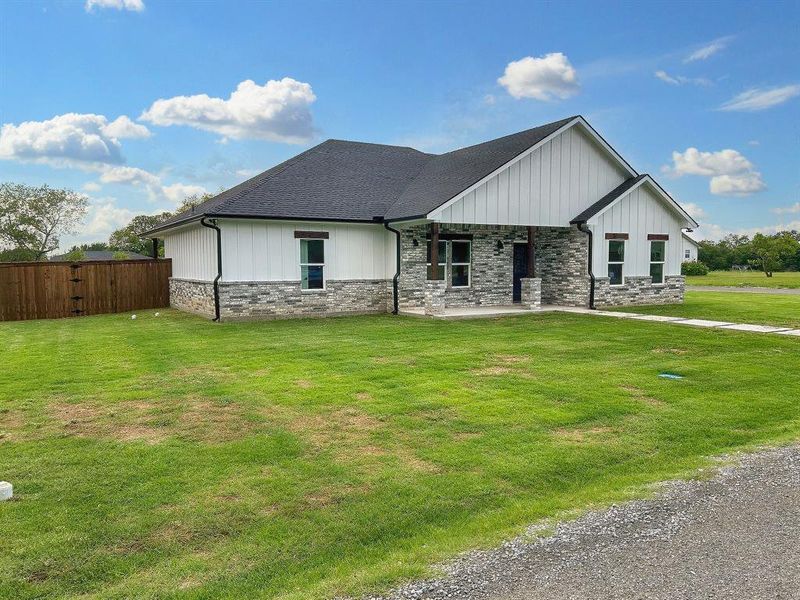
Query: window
616,258
687,254
460,263
442,259
312,264
657,257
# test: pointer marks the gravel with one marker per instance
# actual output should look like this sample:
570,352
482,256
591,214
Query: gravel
733,535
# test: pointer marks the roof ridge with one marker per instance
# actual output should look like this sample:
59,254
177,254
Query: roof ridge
379,144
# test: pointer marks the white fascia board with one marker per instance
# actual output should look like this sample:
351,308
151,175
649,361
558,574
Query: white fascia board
436,212
668,200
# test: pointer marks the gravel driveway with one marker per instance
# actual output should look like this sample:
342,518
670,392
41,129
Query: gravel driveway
736,535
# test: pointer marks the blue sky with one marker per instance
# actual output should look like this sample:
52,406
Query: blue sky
139,102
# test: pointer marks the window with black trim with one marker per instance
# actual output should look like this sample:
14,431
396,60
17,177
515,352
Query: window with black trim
658,252
312,264
460,263
616,261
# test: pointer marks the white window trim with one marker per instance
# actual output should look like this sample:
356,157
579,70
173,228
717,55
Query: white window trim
617,262
687,254
663,263
302,264
460,264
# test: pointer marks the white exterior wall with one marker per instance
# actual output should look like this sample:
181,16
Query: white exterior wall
254,250
193,250
638,214
692,248
547,187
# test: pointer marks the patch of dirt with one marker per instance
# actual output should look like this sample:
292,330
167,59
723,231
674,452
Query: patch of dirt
11,424
303,384
581,435
511,358
491,371
464,436
677,351
639,394
197,419
503,364
363,396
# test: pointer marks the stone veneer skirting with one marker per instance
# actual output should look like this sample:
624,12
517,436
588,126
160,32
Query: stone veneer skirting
192,296
562,255
281,299
639,290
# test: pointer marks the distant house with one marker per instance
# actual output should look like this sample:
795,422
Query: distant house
104,255
549,215
689,251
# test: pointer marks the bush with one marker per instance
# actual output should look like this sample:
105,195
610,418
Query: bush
119,255
694,268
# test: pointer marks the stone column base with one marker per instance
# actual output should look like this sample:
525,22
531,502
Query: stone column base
434,297
531,297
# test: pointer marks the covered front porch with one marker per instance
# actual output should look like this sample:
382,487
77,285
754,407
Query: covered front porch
462,270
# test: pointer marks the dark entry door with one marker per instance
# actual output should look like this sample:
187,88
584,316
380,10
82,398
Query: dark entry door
520,269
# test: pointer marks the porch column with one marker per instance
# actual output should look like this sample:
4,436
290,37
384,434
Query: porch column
531,252
434,251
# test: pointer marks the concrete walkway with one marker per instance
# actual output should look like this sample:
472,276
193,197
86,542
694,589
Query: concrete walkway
746,290
680,320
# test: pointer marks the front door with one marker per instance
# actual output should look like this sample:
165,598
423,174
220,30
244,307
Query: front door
520,269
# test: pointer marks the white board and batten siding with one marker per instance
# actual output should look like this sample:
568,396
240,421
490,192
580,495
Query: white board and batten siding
638,213
193,250
254,250
547,187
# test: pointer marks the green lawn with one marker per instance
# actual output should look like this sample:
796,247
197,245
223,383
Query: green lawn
760,309
174,457
747,279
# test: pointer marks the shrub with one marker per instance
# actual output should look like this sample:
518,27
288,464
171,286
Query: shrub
694,268
119,255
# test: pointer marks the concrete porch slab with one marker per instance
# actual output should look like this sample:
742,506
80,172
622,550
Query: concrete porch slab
473,312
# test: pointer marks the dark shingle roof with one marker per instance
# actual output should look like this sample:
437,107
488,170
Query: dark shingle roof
356,181
447,175
609,198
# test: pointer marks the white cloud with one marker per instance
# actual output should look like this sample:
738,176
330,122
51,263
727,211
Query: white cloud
761,98
277,111
548,77
82,140
177,192
708,50
753,143
156,190
681,80
122,127
91,186
730,172
133,5
786,210
695,210
104,217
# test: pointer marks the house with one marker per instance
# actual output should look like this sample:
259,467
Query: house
551,215
690,246
104,255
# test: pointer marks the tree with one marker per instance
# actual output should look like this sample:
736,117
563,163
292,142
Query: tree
128,238
771,251
191,201
33,218
119,255
16,255
75,254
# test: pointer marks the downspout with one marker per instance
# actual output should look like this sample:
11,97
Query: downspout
213,225
588,232
396,278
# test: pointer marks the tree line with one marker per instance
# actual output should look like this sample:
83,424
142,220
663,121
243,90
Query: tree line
768,253
33,219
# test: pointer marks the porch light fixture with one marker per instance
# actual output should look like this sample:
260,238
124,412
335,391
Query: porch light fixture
499,244
415,242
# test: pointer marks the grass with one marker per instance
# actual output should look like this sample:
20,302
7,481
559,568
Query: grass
747,279
174,457
760,309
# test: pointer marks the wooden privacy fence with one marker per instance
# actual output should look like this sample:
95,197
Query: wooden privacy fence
52,290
